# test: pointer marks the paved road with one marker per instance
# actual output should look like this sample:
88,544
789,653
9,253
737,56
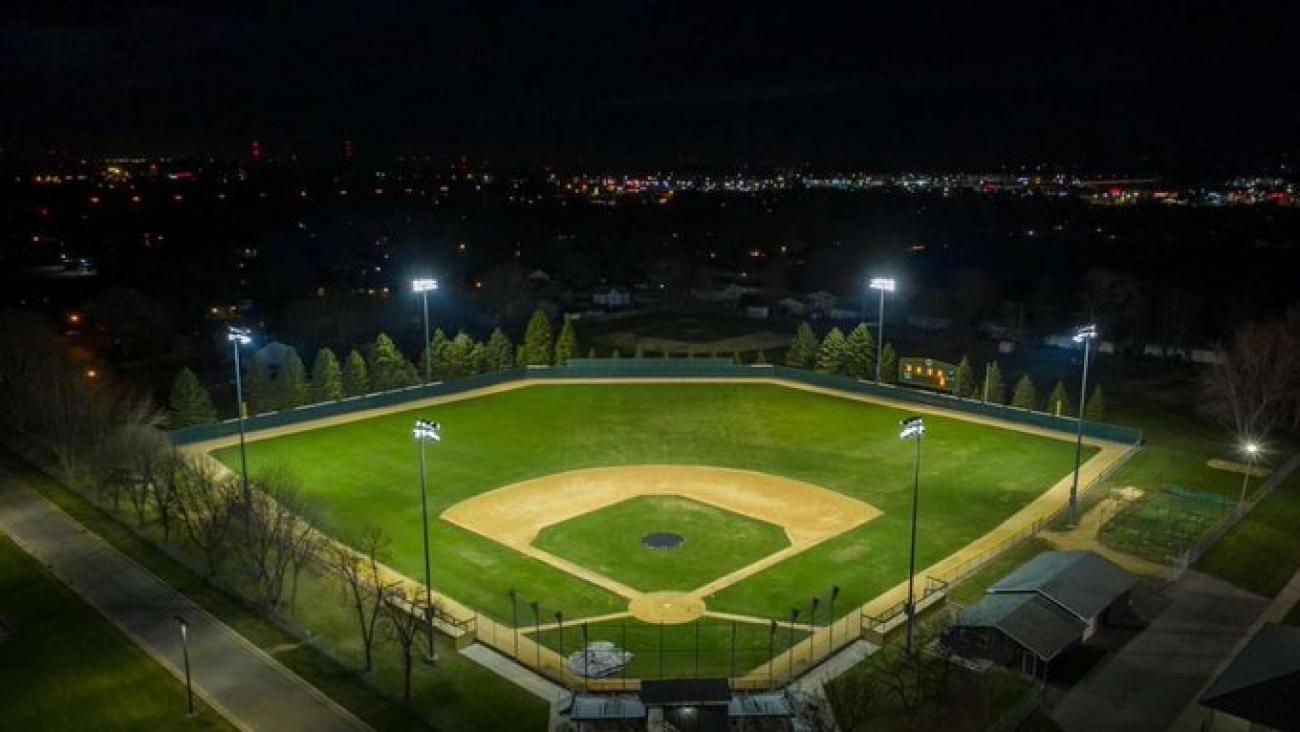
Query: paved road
251,689
1147,683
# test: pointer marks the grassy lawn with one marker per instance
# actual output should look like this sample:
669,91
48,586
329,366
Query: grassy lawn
974,587
365,473
1262,552
64,667
670,651
609,541
454,695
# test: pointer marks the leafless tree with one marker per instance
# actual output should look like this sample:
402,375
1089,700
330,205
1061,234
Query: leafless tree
165,489
1255,384
854,698
207,504
363,586
404,616
276,539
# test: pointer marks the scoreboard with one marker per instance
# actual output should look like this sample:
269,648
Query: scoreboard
927,373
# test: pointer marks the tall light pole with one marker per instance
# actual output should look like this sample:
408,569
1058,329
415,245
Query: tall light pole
883,284
912,429
1085,335
185,650
425,432
424,286
241,337
1251,449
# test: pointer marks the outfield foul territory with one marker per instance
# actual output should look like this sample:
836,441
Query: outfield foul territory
516,514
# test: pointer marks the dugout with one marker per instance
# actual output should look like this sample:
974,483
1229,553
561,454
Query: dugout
1042,609
689,705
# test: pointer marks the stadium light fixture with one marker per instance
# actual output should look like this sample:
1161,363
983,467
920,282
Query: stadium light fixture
423,286
237,337
1084,334
912,428
1251,449
883,285
424,432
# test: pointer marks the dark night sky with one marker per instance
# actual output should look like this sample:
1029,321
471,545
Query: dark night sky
1134,86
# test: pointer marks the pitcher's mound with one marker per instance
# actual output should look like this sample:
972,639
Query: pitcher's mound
669,608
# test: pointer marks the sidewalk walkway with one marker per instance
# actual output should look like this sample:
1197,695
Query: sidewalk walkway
248,687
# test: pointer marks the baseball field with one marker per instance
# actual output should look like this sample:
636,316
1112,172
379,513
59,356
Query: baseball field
774,493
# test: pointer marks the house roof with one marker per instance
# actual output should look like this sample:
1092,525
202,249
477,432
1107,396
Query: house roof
1032,621
1083,583
1262,683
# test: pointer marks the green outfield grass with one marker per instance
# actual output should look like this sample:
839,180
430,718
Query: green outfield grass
64,667
366,473
609,541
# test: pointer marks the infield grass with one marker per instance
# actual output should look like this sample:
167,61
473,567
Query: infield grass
365,473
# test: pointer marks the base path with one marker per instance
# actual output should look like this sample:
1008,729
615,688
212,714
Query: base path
248,687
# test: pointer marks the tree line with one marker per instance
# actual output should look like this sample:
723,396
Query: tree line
855,355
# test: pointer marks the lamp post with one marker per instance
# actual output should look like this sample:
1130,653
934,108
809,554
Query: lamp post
1085,335
424,286
830,610
794,618
883,284
425,432
185,651
912,429
241,337
1251,449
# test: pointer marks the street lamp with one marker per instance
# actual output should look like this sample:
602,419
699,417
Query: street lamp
185,650
425,432
241,337
1251,449
424,286
883,284
1085,335
912,428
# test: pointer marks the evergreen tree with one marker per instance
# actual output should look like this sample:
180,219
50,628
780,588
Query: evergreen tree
1059,401
994,389
861,361
190,402
435,356
735,357
458,357
888,364
591,352
259,388
1025,395
478,359
964,384
639,352
326,377
389,369
616,354
500,352
802,353
1094,409
291,383
356,377
566,345
537,341
761,358
832,355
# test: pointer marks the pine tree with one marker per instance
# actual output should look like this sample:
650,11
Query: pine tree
861,360
616,354
735,358
291,383
478,359
326,378
458,357
259,388
994,389
832,355
761,358
1059,401
888,364
537,341
1025,395
190,402
1095,408
964,384
591,352
500,352
639,352
434,356
566,345
356,377
803,348
388,368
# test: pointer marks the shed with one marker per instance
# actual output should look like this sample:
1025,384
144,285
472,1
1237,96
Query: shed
1084,584
1262,683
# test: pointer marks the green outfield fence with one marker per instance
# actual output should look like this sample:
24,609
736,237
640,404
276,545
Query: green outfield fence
656,368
